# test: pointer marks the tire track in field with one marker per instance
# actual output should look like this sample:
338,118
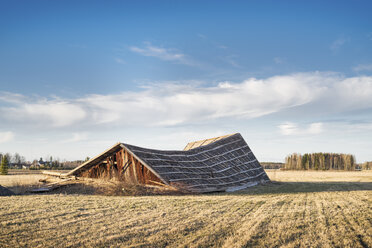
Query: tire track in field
353,215
171,228
286,219
248,230
223,225
208,218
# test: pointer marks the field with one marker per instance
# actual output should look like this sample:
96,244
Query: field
299,209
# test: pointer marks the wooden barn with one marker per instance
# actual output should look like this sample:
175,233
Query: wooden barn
224,163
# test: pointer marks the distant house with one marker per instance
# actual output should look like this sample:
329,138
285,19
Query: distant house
224,163
21,165
26,166
38,164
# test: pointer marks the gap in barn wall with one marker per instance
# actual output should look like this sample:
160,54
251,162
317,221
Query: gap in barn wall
122,166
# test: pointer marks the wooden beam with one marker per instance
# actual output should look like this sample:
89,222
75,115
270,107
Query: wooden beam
54,174
164,185
144,164
128,162
134,169
96,159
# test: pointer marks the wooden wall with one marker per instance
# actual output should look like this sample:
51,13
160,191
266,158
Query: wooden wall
124,167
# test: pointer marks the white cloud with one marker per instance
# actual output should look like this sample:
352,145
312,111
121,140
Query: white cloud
11,97
166,54
290,128
315,128
365,67
351,127
58,113
337,44
232,61
354,93
45,112
173,104
6,137
159,52
77,137
184,103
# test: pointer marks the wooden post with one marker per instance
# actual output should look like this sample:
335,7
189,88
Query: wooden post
134,169
126,160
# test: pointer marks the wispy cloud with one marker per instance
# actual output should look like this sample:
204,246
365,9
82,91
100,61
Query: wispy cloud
6,136
363,67
167,104
12,98
290,128
337,44
46,112
221,46
77,137
119,61
231,59
166,54
278,60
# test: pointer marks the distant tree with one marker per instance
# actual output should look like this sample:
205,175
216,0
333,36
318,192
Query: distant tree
367,166
23,159
4,165
9,157
320,161
17,158
86,159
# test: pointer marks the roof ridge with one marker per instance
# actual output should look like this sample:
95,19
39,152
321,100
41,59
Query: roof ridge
203,142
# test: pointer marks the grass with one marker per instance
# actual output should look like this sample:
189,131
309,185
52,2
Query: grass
19,183
299,209
320,176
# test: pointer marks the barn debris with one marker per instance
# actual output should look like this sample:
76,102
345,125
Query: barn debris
224,163
51,186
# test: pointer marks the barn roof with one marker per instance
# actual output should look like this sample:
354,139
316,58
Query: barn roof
204,142
224,163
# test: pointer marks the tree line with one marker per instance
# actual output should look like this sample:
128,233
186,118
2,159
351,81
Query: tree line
16,161
16,158
366,166
320,161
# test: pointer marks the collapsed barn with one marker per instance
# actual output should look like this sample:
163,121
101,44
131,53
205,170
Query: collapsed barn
224,163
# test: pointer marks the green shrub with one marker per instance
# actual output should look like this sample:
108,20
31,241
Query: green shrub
4,166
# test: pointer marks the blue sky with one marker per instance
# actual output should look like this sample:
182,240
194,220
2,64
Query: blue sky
291,76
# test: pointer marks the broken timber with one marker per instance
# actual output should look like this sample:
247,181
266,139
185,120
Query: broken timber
50,186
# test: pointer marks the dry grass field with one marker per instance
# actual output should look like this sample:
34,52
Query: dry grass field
20,183
299,209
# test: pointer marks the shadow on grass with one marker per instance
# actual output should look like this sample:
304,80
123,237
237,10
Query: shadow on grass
272,187
303,187
67,189
114,189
